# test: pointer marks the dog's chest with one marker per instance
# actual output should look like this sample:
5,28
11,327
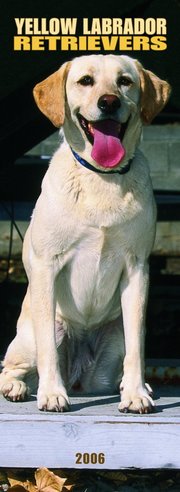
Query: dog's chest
90,279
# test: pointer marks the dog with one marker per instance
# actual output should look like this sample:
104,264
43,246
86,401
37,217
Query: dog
82,322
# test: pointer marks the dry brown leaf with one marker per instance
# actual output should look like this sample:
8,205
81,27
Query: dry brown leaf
72,477
14,482
28,486
47,481
68,487
19,477
31,487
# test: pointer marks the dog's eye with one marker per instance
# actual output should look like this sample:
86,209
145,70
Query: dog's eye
124,81
86,80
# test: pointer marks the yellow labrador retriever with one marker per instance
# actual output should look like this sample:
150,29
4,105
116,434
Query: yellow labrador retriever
82,322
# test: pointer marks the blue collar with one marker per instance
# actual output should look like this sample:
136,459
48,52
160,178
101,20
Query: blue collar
86,164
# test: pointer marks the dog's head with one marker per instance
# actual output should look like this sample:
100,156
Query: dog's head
102,101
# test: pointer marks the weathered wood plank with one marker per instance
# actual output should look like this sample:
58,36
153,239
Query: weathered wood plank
167,241
30,438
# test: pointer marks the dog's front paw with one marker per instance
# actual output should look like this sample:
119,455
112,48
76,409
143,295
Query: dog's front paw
138,401
14,390
53,401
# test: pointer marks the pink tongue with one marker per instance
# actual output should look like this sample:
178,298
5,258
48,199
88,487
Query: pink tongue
107,150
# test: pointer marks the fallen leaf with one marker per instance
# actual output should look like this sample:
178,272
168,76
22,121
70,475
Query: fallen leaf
31,487
72,477
47,481
20,477
68,487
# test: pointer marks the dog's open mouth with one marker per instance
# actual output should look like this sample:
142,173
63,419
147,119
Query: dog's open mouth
106,138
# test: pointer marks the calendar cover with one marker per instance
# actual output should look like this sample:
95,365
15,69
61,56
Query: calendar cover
36,39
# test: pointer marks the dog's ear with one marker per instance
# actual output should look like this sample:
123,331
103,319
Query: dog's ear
50,95
154,94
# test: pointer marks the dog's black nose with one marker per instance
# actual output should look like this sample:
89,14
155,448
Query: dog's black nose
108,103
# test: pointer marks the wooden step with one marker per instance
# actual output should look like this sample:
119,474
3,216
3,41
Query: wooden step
92,435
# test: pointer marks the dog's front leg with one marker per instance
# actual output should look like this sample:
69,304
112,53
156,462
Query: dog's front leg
52,394
134,287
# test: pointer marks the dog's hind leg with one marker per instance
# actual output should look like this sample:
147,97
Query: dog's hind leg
20,357
104,371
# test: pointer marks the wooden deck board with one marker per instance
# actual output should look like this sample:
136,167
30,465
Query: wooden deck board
30,438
